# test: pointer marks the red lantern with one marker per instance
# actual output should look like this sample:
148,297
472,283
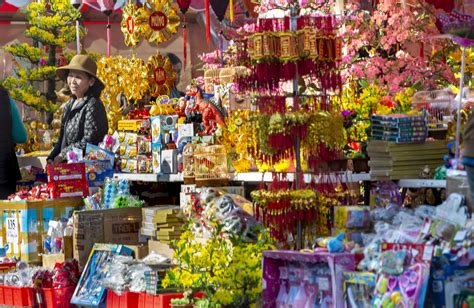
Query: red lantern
184,5
220,7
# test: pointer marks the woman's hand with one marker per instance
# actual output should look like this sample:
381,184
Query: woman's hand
58,160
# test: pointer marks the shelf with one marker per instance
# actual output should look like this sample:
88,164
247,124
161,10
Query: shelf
256,177
422,183
249,177
149,177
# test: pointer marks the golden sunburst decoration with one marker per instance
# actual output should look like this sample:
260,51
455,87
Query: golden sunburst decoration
161,75
163,21
134,23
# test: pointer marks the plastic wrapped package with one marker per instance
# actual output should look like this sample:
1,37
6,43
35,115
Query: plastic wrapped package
125,274
117,276
385,214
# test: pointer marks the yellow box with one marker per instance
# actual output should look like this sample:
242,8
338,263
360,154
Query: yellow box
129,125
23,224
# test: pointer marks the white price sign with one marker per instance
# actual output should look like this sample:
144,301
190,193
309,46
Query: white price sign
11,225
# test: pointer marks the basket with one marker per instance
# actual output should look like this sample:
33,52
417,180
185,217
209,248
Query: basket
18,297
126,300
188,164
436,105
211,78
210,165
58,298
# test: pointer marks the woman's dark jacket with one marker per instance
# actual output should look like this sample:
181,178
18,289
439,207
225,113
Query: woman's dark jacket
85,123
9,170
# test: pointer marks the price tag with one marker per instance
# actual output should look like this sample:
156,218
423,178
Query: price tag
12,235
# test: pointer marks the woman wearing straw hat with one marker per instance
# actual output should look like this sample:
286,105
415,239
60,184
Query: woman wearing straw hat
84,119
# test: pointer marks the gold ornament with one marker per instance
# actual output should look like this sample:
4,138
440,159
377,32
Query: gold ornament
162,21
134,22
161,76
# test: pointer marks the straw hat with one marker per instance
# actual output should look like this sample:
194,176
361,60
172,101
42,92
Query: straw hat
81,63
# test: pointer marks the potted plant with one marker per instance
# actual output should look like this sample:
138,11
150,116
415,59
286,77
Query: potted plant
226,269
181,303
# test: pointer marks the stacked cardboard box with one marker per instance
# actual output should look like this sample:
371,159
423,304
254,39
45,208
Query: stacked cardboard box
162,222
23,224
112,226
389,160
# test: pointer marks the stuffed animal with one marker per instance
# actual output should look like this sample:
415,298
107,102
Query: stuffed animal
335,244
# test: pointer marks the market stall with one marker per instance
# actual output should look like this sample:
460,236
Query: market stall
314,161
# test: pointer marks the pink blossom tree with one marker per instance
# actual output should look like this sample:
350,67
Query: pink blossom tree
394,46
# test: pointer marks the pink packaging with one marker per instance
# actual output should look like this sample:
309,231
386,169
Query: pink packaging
274,260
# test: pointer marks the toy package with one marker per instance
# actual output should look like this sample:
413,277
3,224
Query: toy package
359,289
89,291
404,275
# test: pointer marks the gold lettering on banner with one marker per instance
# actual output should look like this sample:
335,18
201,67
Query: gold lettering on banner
267,46
330,48
338,48
158,21
285,51
257,46
321,43
160,76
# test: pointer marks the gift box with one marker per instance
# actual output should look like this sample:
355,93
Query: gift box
69,189
66,172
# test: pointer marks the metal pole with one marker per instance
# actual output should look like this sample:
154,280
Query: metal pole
458,123
299,227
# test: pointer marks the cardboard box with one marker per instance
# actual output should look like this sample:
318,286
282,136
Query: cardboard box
139,251
22,224
160,248
50,260
113,226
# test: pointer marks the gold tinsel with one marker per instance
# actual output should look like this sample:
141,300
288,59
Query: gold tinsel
134,21
127,76
161,76
157,21
163,21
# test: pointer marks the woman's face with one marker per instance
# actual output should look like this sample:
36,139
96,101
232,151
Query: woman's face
79,82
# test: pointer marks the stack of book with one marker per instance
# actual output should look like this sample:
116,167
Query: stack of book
162,223
399,128
390,160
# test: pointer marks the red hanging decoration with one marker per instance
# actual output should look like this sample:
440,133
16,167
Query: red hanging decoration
184,6
185,42
208,21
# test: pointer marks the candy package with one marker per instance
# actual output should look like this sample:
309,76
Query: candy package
74,155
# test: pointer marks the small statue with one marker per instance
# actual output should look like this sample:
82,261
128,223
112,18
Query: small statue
211,115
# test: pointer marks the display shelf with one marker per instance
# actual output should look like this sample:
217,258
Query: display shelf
256,177
422,183
149,177
249,177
